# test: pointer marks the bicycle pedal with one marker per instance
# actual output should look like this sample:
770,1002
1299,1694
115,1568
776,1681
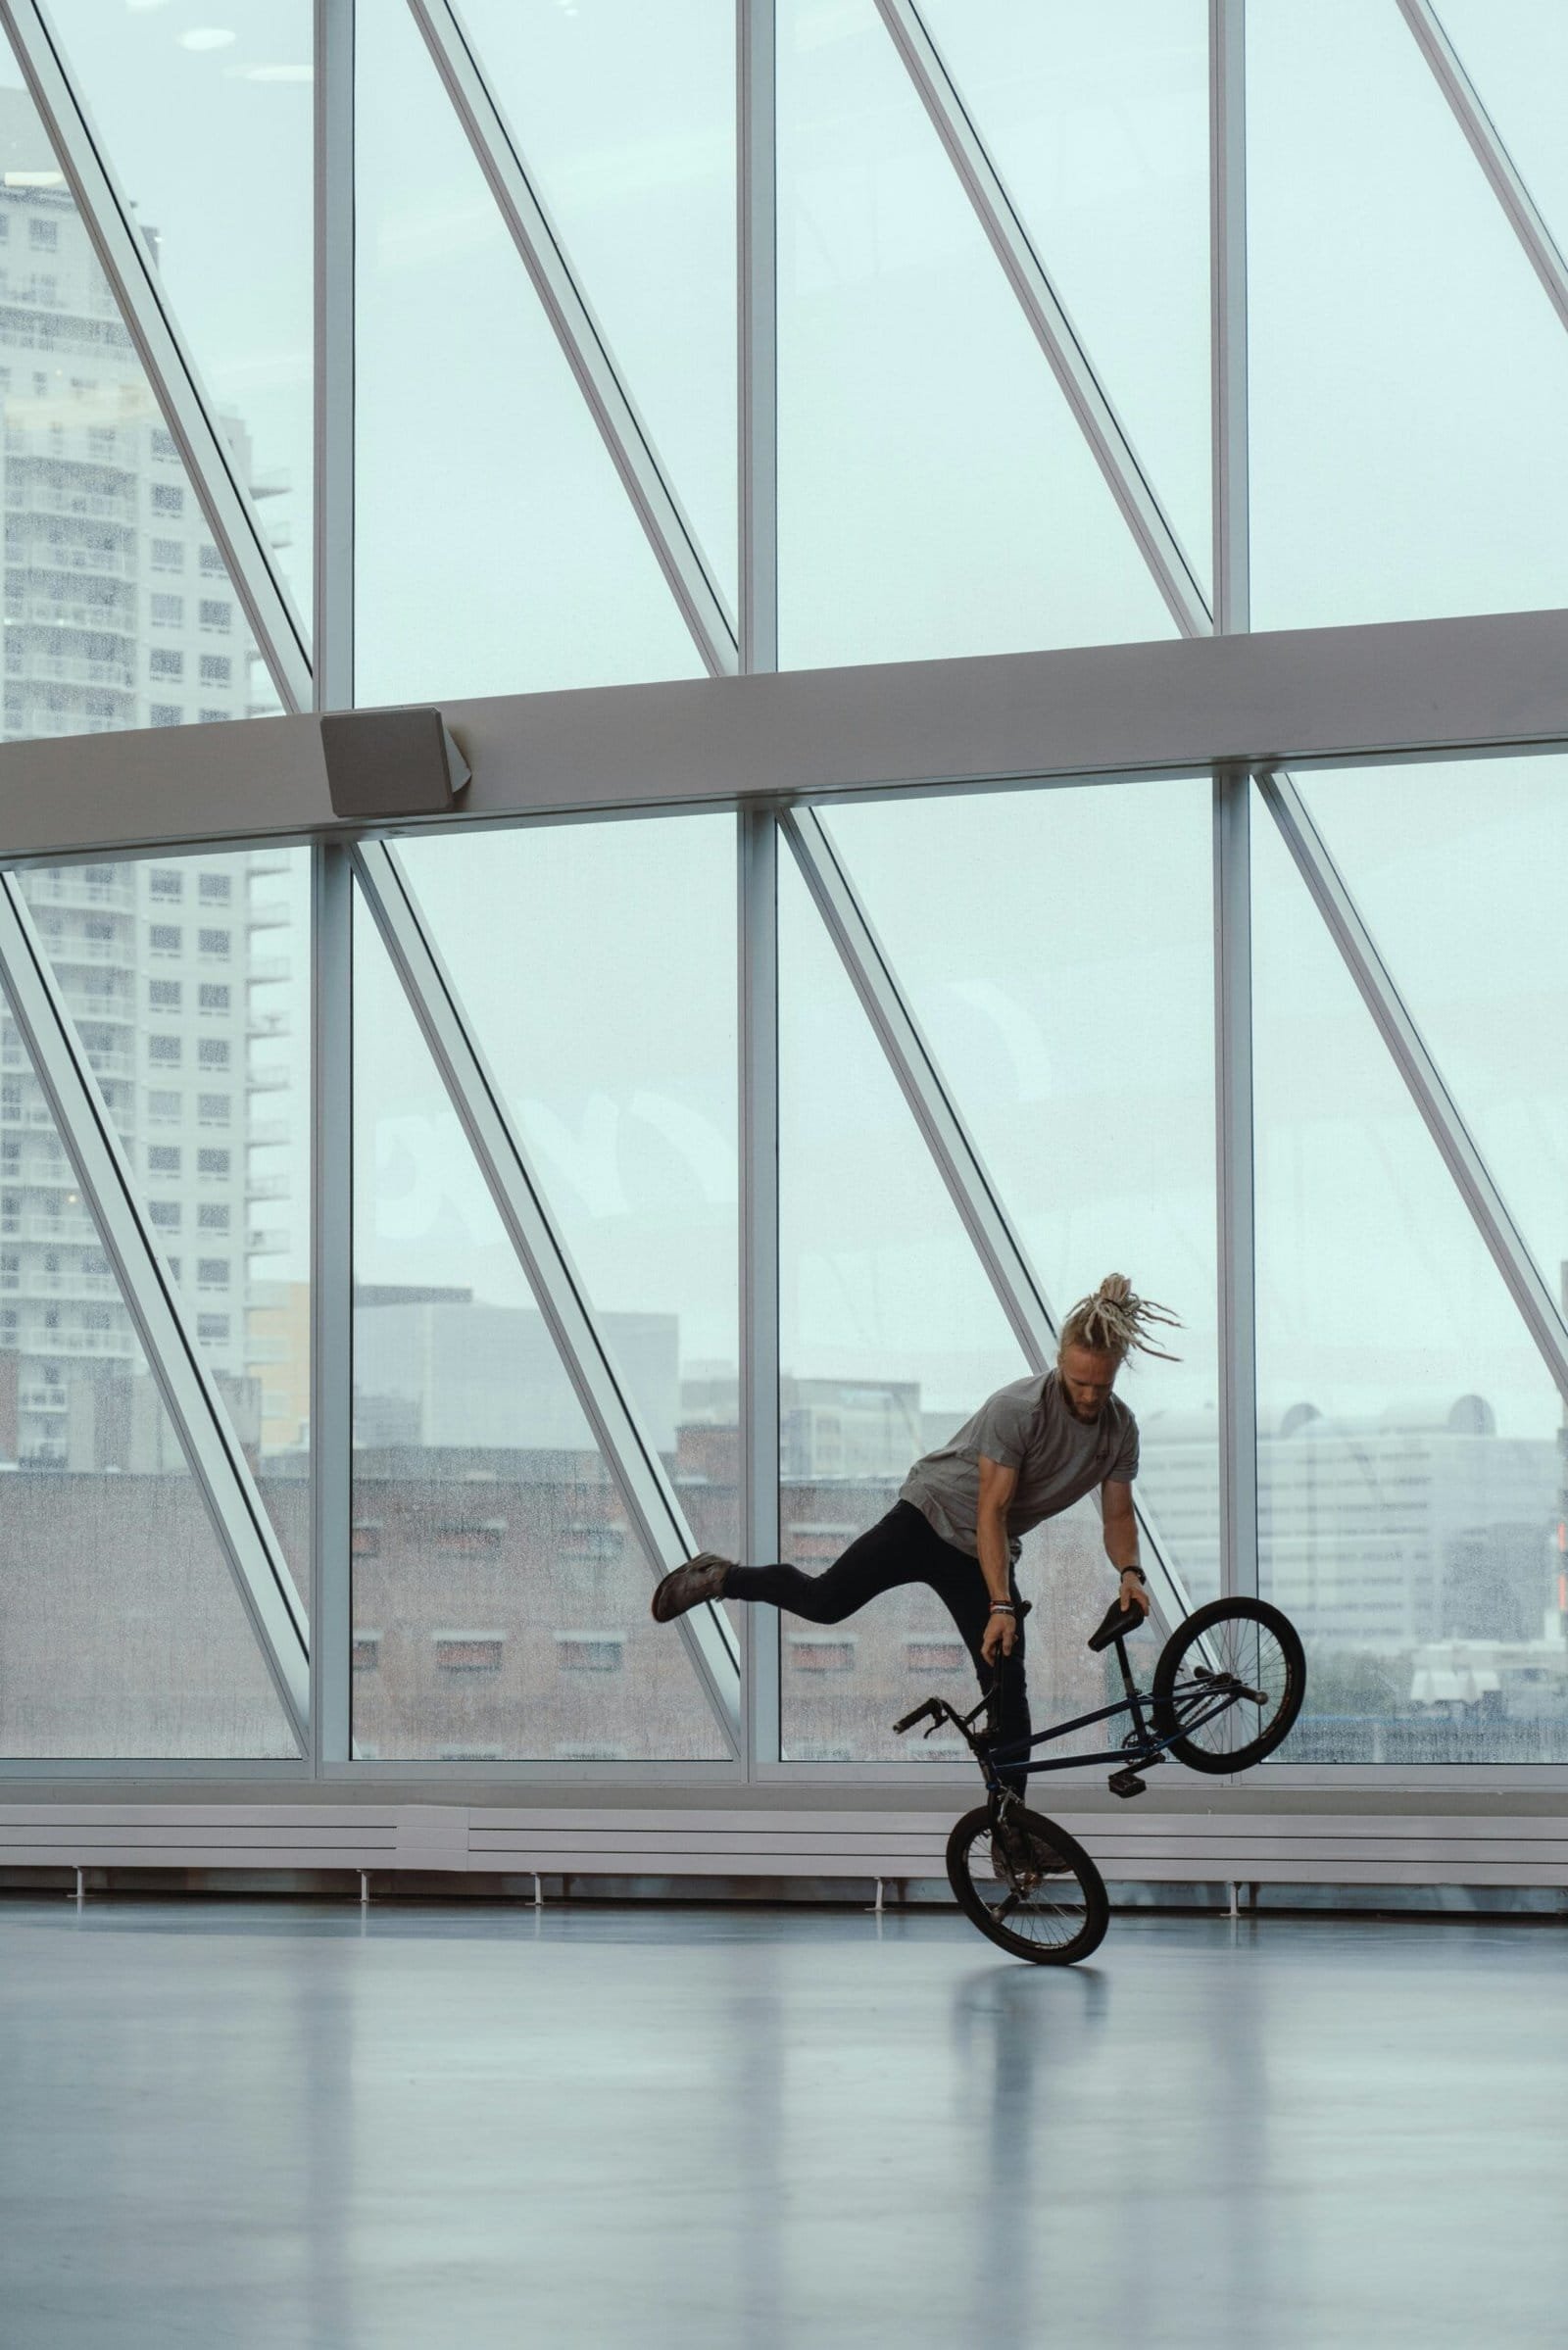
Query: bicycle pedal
1127,1782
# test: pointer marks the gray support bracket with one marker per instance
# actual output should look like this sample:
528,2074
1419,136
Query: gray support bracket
132,273
1026,274
630,1454
1503,1239
1002,1253
586,350
152,1301
1502,176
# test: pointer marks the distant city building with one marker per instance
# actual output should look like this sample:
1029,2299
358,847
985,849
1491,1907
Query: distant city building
1380,1534
119,612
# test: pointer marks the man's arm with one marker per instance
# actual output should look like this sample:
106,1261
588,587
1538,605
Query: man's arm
997,1485
1121,1540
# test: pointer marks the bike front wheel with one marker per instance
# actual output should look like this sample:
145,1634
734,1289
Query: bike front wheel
1042,1899
1229,1685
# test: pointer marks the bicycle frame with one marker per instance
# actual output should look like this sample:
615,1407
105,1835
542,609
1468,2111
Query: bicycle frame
1197,1704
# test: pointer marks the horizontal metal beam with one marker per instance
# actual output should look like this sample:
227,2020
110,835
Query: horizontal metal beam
122,250
1522,213
152,1298
1301,697
1003,1256
1441,1114
1042,308
630,1454
587,351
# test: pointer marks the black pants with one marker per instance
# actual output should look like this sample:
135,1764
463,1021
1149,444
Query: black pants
902,1547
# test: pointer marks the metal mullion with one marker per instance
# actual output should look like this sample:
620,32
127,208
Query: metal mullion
1440,1113
191,418
758,842
1002,1253
757,247
587,351
633,1458
1502,174
1125,478
151,1297
1235,1257
334,357
1226,207
331,1299
331,908
757,849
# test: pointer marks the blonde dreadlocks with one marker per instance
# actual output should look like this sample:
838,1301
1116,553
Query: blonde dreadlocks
1114,1322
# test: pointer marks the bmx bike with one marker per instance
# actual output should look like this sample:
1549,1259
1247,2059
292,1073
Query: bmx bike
1227,1688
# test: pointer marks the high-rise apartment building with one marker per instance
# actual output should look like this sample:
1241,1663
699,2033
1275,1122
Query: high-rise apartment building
119,612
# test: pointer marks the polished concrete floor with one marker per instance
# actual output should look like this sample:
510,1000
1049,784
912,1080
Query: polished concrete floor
277,2124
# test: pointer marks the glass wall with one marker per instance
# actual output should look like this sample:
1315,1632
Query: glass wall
187,980
500,1596
946,487
1410,1439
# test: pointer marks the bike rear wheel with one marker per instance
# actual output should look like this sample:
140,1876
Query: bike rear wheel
1257,1647
1049,1906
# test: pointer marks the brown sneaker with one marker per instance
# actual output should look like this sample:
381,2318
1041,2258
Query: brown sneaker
686,1586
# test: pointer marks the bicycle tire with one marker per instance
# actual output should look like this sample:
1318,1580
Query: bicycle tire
1073,1925
1270,1652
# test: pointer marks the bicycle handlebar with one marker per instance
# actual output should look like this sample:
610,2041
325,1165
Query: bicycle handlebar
932,1709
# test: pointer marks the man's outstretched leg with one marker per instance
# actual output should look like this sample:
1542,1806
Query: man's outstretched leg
896,1551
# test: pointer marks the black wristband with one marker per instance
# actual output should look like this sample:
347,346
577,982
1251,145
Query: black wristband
1003,1607
1138,1570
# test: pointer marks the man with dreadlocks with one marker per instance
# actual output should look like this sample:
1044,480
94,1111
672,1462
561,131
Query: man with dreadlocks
1032,1450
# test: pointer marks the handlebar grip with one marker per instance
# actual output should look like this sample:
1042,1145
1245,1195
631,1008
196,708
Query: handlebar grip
920,1714
1120,1621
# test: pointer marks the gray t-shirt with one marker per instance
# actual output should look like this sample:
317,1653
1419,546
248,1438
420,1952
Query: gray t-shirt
1027,1427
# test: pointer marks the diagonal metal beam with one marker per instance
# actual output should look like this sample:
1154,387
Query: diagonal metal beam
1424,1082
1001,1252
647,482
127,263
1502,173
152,1301
630,1454
1042,306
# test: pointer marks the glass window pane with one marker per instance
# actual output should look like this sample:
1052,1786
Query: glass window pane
626,117
500,1598
1474,851
123,1635
209,132
1408,375
611,1031
107,557
496,550
1057,948
188,979
890,1338
1097,121
1408,1463
935,496
1516,54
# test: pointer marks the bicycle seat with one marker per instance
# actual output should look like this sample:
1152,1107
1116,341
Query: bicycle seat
1120,1621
